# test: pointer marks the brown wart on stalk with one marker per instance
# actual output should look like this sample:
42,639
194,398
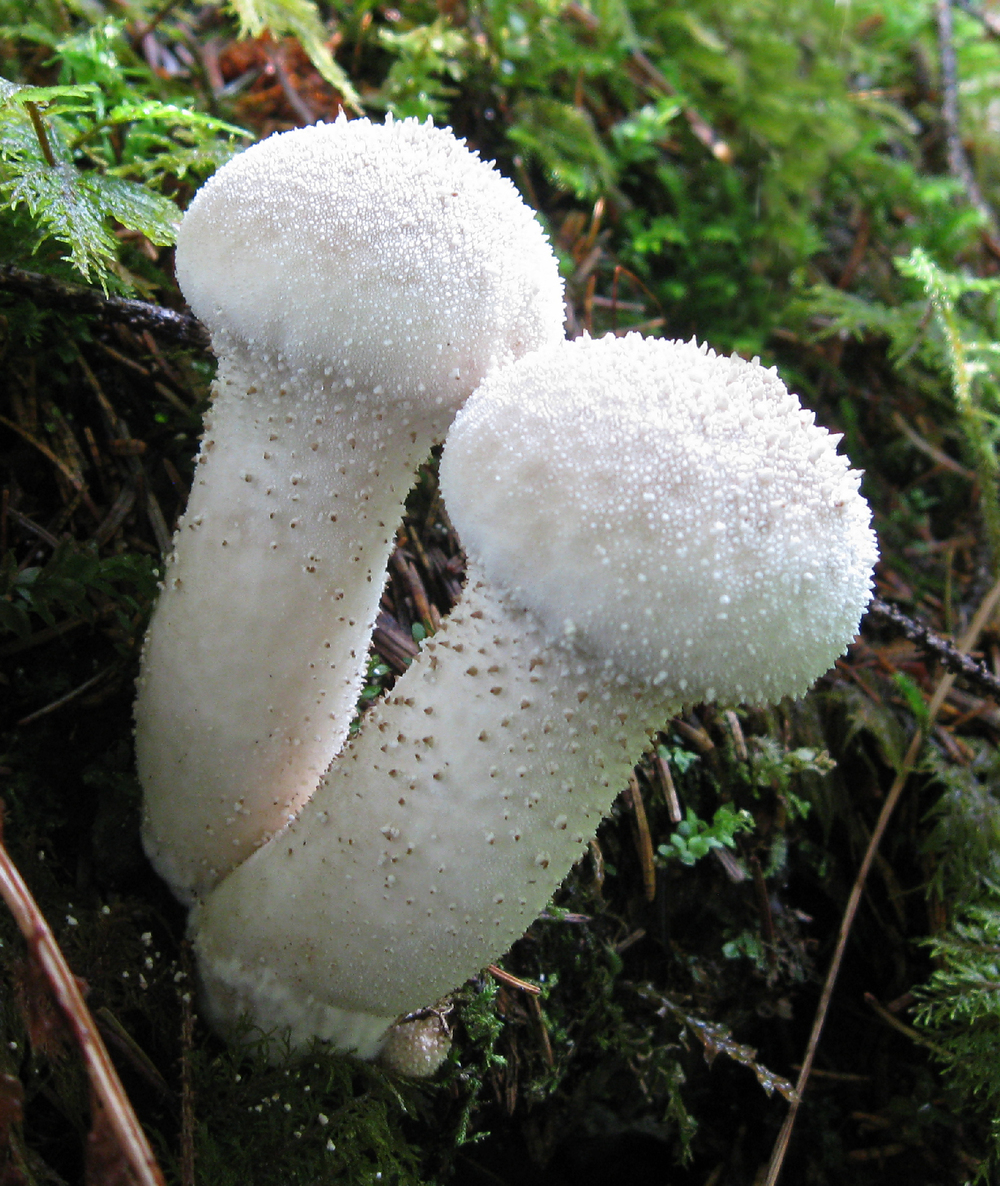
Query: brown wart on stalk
648,525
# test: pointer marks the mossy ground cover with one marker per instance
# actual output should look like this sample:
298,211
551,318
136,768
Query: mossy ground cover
759,174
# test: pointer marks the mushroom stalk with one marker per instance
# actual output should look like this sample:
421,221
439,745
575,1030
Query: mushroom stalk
648,525
437,837
283,548
359,281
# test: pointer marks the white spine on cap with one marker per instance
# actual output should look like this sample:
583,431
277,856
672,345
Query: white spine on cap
698,528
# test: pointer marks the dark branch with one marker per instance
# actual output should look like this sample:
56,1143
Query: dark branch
951,657
958,162
74,298
989,21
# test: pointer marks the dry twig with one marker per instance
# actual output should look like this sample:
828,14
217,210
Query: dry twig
989,20
644,842
979,621
951,657
958,162
74,298
108,1091
512,981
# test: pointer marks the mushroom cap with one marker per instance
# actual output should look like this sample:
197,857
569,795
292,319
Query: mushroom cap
389,255
668,509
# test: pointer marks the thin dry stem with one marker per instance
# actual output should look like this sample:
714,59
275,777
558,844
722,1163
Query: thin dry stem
103,1076
644,842
958,162
967,642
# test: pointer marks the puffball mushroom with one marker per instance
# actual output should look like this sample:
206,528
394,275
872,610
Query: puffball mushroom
358,281
647,524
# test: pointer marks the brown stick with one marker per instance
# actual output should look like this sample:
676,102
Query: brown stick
187,1085
644,842
74,298
669,790
73,478
952,658
103,1076
989,21
43,137
958,162
512,981
982,616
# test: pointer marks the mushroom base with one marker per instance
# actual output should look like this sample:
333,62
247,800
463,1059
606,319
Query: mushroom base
231,992
437,836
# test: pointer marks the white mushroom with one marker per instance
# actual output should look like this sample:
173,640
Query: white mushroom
647,524
359,281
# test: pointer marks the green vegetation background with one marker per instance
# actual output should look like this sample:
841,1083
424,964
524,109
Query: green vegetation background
781,178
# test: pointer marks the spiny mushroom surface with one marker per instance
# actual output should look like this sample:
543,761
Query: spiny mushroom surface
359,281
647,524
713,532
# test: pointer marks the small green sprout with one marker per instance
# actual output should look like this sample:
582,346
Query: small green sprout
694,838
